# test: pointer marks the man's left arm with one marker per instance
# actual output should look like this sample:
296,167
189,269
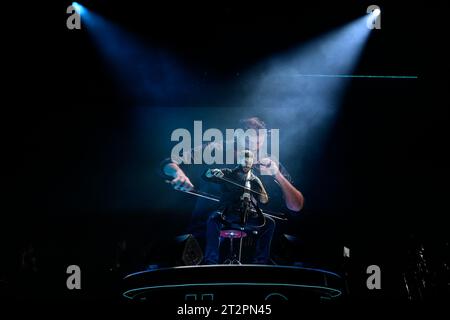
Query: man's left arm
292,197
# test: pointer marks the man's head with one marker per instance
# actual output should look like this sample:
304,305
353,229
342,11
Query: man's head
245,160
256,124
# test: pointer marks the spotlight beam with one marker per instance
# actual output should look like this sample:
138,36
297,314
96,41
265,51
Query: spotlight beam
144,74
301,90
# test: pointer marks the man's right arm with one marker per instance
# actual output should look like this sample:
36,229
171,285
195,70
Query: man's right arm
179,179
170,168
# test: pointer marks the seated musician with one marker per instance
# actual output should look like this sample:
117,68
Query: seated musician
239,208
279,184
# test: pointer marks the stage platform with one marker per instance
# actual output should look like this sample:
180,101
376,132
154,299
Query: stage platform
233,284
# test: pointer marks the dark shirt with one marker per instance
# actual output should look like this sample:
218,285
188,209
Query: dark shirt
230,198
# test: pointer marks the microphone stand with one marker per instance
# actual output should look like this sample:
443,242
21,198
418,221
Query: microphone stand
245,208
244,212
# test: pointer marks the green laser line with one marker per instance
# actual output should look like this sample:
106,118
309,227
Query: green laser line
356,76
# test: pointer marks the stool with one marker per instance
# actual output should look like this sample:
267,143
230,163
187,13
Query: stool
233,234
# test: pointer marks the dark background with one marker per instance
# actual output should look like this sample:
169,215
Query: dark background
76,181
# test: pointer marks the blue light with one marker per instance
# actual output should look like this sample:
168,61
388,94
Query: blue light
308,84
374,16
136,66
78,8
